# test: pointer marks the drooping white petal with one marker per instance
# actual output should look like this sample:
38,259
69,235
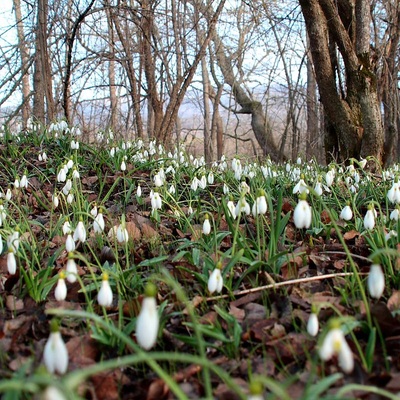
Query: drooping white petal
55,355
147,323
376,281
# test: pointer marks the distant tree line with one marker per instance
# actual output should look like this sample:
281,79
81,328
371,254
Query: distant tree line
334,62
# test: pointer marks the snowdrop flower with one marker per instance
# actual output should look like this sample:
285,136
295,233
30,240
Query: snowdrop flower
147,322
123,166
313,324
346,214
98,223
80,232
302,215
260,205
71,269
300,187
242,206
139,191
215,280
335,343
13,241
16,183
23,182
1,244
171,189
75,174
67,187
391,234
369,219
60,292
122,233
362,162
156,202
105,295
3,214
74,145
231,208
55,355
69,165
190,210
376,281
55,200
394,215
11,262
318,188
62,175
70,243
210,178
329,177
70,198
67,229
52,393
206,226
244,188
8,194
225,189
158,181
194,185
393,193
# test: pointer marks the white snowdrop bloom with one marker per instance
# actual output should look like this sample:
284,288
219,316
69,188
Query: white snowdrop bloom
8,194
61,176
55,200
139,191
156,201
362,162
369,219
376,281
318,188
356,177
69,165
206,226
11,262
259,206
16,183
52,393
98,223
353,189
300,187
55,354
3,214
302,215
105,295
75,174
393,193
394,215
171,189
1,244
112,152
225,189
123,166
158,180
329,177
60,292
244,188
210,178
195,183
24,181
313,324
94,211
13,241
335,343
346,214
215,280
80,232
391,234
203,182
190,210
67,229
242,206
122,234
70,198
298,161
348,180
288,167
147,322
71,269
67,187
70,243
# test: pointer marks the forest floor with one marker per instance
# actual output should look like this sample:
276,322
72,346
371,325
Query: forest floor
210,345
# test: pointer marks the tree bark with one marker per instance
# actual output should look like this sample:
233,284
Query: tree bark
352,112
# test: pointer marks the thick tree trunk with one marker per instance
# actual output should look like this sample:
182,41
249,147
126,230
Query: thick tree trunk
352,112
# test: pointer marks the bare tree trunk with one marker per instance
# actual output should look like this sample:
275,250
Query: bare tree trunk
208,151
354,121
24,52
312,113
